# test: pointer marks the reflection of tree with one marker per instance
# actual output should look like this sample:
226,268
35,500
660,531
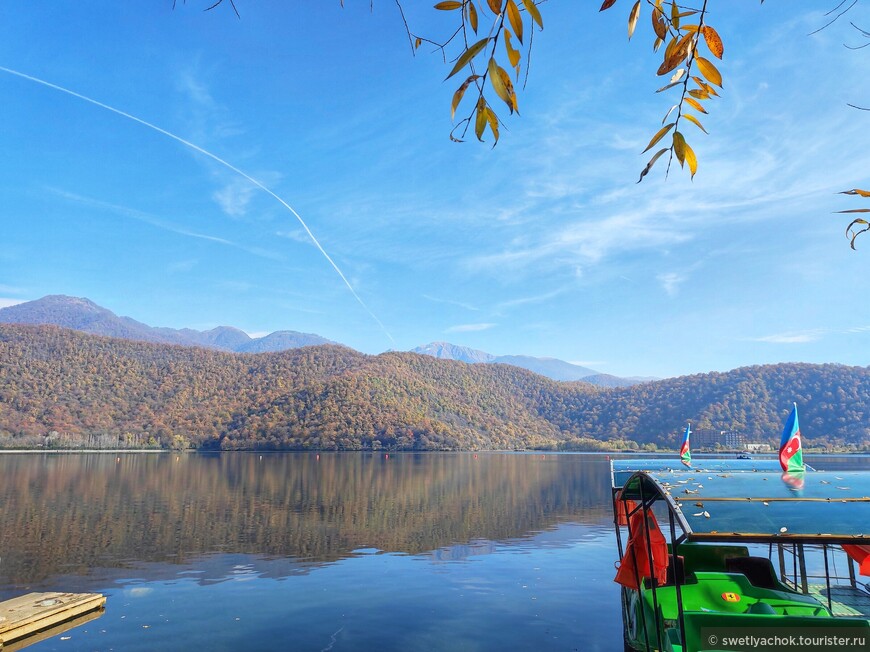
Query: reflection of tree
69,513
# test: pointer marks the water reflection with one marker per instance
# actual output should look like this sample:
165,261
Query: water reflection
69,514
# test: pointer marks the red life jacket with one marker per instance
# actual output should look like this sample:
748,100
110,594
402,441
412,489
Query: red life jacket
639,560
861,554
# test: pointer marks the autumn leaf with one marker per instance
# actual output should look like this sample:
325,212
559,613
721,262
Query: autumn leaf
676,55
691,159
467,56
480,119
495,6
501,82
457,96
695,104
652,162
492,120
448,5
679,147
515,19
659,135
710,72
856,191
472,16
695,121
532,8
632,19
607,4
711,38
512,53
658,22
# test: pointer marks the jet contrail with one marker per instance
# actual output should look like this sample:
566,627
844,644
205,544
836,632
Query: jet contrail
222,162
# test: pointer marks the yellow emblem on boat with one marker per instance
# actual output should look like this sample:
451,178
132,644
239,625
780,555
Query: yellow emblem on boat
730,597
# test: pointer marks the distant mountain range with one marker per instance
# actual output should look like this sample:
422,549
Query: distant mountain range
84,315
549,367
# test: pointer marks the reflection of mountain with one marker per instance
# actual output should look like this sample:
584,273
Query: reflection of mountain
66,514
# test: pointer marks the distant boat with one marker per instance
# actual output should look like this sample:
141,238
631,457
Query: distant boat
743,455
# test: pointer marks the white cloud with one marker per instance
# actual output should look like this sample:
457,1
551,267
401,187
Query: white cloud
234,197
468,328
793,337
5,302
460,304
671,282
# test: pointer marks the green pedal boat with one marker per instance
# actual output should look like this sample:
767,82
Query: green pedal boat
737,555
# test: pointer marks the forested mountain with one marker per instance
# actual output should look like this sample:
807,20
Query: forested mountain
65,388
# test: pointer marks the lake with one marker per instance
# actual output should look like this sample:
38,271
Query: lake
321,552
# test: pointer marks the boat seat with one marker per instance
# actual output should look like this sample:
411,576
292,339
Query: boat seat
676,570
758,570
761,608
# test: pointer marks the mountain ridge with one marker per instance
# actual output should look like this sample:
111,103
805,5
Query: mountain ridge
64,389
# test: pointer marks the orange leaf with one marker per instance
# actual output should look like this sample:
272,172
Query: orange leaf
711,38
448,5
607,4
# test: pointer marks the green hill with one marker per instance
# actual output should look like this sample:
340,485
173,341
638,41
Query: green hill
64,388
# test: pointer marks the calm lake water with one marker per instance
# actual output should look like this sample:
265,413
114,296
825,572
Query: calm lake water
328,552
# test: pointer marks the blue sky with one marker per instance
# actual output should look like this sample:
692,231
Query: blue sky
544,245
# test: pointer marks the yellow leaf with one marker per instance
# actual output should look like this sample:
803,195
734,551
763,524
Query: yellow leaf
480,119
711,38
679,147
652,162
695,104
472,16
448,5
693,119
856,191
691,159
700,93
513,54
632,19
513,13
675,15
467,56
657,44
501,82
659,135
532,8
417,42
690,28
495,6
492,120
709,71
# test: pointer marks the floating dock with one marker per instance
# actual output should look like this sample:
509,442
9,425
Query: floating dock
36,614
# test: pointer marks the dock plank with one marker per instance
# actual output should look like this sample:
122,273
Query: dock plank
34,612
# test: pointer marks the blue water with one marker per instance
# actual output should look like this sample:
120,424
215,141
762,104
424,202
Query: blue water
426,553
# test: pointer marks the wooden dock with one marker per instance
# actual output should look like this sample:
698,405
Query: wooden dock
40,613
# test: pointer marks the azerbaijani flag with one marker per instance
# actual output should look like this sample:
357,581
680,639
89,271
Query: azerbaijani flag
791,455
685,451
